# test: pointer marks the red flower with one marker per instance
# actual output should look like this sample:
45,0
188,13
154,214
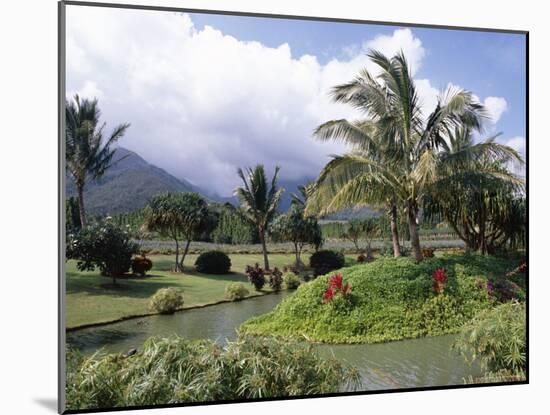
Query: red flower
335,285
439,278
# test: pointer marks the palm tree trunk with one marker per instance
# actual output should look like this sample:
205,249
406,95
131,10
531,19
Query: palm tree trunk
185,251
176,266
81,209
264,249
394,233
413,230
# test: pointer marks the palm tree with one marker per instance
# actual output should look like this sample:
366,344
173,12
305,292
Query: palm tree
395,149
258,202
88,153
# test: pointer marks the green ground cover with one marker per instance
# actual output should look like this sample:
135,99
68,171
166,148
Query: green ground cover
391,299
90,298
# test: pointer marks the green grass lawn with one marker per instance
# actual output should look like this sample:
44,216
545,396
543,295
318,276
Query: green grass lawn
90,299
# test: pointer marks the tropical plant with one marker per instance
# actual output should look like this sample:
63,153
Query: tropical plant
176,370
88,153
213,262
166,300
487,211
103,245
259,201
255,275
236,291
395,151
497,339
276,279
180,216
325,261
299,230
141,264
72,215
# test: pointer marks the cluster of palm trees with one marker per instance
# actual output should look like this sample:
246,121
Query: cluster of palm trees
401,156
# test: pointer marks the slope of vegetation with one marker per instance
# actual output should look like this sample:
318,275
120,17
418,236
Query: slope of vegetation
390,299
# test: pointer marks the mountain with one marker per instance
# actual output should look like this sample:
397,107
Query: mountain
127,185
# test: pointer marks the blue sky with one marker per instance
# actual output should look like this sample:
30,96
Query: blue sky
206,94
486,63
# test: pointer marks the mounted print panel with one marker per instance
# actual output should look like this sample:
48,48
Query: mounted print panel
262,207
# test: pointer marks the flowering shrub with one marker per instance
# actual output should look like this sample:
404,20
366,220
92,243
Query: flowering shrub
292,281
235,291
255,275
428,252
361,258
336,285
440,278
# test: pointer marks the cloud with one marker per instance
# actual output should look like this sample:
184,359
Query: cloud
202,103
496,106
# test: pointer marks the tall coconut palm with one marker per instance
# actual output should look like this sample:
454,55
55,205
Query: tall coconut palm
259,201
88,153
404,141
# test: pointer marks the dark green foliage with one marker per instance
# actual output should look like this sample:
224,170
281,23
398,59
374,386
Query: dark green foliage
255,276
174,370
180,216
213,262
497,339
233,228
166,300
325,261
141,264
102,245
276,279
392,299
236,291
295,228
72,215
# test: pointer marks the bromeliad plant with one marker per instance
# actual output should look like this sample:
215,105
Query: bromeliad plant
336,287
440,278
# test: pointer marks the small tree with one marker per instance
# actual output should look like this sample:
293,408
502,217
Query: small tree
180,216
353,232
102,245
370,230
295,228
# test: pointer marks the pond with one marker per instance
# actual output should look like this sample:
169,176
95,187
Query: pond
403,364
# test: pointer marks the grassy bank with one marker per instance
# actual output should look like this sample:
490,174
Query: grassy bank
90,298
391,299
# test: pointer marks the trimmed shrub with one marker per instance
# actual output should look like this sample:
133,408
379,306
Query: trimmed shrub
236,291
276,279
325,261
166,301
291,280
176,370
141,264
213,262
255,276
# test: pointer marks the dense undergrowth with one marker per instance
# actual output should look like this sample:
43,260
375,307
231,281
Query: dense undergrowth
393,299
174,370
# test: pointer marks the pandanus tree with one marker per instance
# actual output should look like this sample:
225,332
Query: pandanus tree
89,151
180,216
259,201
485,207
394,157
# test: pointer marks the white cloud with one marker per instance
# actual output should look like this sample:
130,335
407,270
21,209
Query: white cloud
202,103
496,106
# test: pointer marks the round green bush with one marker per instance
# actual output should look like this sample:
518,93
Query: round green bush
325,261
166,301
213,262
292,281
236,291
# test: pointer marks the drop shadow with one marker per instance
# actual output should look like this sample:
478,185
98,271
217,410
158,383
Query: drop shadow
48,403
